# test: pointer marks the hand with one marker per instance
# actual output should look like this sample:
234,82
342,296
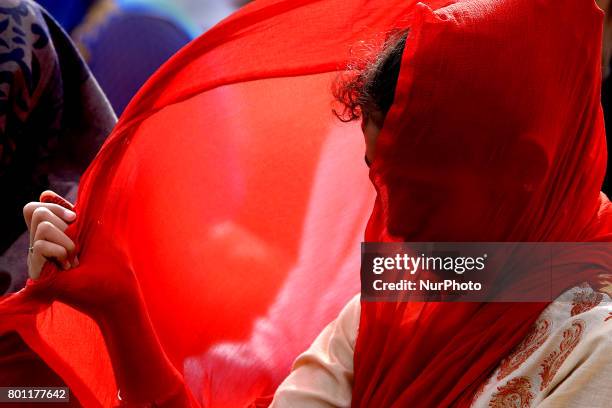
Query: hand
92,289
47,222
142,369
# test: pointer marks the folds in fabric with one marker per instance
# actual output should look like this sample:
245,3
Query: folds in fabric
496,134
219,189
227,175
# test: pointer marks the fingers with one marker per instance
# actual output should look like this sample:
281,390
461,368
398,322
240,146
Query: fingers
42,251
66,215
46,231
50,197
44,214
50,243
47,222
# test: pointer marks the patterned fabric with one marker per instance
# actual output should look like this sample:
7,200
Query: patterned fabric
564,361
53,118
530,374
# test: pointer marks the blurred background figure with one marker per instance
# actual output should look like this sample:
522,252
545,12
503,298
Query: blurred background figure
68,13
125,41
53,119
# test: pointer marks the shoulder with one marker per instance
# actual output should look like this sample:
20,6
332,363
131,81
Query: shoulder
577,330
576,371
581,323
569,344
352,310
322,375
587,310
341,334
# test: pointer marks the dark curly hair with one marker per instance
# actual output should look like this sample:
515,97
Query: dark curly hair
369,87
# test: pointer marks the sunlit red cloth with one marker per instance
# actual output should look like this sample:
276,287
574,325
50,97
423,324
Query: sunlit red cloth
205,186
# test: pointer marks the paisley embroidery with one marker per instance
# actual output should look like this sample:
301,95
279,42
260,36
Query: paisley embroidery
515,394
536,337
585,300
552,363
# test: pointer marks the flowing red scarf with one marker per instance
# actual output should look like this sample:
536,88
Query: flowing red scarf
211,191
231,191
496,134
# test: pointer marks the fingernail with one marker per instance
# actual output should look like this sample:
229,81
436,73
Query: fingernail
66,265
69,215
75,262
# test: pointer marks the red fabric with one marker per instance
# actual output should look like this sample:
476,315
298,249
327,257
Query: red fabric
496,134
21,367
212,191
205,191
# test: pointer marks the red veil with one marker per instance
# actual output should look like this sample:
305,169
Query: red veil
232,193
496,134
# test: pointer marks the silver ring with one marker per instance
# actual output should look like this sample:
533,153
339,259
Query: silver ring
31,249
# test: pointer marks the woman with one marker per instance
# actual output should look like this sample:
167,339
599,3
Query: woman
445,169
564,361
53,120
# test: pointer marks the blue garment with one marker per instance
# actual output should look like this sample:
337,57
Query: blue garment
128,49
134,40
69,13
